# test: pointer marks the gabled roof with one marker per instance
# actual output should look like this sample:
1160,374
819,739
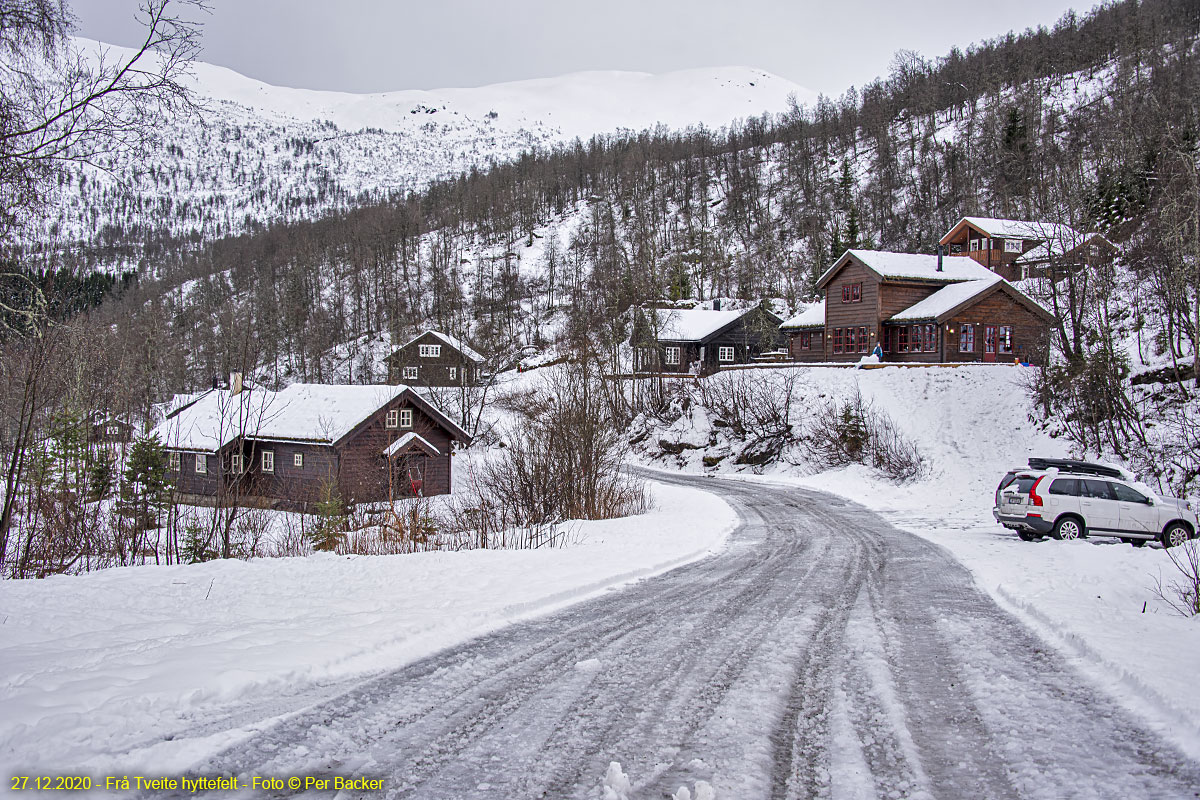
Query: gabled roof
696,324
303,412
909,266
950,300
457,344
412,439
811,317
1018,229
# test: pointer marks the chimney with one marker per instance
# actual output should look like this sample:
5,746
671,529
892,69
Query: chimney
235,383
717,304
941,253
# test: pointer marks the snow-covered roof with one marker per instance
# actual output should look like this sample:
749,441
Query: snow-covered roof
1021,228
407,439
305,412
913,266
1060,245
457,344
693,324
811,317
946,299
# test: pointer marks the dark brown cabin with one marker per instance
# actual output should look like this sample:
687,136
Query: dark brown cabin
434,359
700,341
309,443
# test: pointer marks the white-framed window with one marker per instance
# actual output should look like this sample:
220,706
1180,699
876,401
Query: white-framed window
392,419
974,245
430,350
409,373
201,464
672,355
298,459
724,354
268,461
174,460
236,465
1024,272
406,418
454,373
114,430
1014,246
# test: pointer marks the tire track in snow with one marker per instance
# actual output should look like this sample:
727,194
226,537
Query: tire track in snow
821,644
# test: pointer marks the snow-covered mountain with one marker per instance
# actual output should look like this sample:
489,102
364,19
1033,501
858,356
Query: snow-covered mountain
265,152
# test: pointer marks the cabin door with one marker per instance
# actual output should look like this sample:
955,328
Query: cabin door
989,343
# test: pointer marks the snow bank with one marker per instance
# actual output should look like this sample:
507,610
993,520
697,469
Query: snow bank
153,668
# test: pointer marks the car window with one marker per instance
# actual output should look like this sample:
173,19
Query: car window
1127,495
1096,489
1006,480
1022,484
1066,486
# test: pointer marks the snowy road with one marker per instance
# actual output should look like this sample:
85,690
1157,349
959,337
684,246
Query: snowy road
823,654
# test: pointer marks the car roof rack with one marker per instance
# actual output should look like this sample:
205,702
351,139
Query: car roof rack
1078,467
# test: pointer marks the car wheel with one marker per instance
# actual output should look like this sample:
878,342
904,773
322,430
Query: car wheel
1175,535
1027,536
1069,528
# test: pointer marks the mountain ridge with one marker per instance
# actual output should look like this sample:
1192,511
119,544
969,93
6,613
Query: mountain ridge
264,153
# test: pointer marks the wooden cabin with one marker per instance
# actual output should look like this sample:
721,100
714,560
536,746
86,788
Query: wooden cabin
1018,249
923,308
294,448
700,341
434,358
109,433
806,334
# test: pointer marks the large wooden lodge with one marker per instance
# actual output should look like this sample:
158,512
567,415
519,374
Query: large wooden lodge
916,307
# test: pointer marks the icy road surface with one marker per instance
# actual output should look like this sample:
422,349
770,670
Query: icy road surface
823,654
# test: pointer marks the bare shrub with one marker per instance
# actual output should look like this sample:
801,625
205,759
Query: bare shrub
563,460
1182,593
753,404
855,432
291,541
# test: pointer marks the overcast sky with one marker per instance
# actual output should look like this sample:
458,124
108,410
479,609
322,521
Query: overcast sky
381,45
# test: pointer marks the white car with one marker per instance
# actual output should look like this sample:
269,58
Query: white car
1073,499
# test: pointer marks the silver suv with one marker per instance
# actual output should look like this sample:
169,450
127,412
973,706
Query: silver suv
1073,499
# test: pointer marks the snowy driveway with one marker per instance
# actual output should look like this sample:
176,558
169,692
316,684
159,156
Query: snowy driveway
823,654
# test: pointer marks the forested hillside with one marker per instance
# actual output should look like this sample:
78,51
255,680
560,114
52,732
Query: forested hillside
1093,123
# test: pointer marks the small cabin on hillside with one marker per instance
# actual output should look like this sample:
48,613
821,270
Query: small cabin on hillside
700,341
1018,249
434,358
920,308
110,432
294,448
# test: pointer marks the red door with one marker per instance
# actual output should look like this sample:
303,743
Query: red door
989,343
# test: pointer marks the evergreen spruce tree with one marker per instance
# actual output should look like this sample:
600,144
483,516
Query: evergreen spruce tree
100,478
330,530
145,491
